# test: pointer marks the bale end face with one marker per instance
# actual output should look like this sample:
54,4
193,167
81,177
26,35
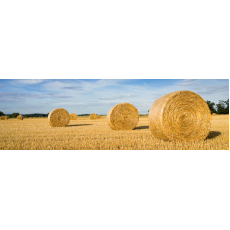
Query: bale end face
19,117
180,116
93,116
123,116
73,116
58,118
2,117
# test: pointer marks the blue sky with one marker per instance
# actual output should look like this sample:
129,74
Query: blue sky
98,96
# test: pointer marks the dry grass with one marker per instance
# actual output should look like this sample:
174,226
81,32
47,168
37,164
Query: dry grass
96,134
123,116
180,116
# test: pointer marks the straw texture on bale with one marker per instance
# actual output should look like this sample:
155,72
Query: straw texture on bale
20,117
93,116
123,116
180,116
98,116
73,116
6,118
58,118
2,117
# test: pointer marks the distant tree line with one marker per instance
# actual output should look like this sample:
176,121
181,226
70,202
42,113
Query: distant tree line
14,115
83,115
221,108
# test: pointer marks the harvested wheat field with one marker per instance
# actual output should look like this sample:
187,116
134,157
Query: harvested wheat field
87,134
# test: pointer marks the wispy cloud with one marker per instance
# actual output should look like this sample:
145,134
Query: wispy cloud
188,82
116,97
73,88
211,89
22,97
29,81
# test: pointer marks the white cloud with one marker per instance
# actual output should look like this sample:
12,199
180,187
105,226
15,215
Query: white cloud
29,81
187,82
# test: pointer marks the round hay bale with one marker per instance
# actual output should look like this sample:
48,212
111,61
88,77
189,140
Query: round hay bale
98,116
214,114
180,116
123,116
2,117
73,116
93,116
58,118
19,117
6,118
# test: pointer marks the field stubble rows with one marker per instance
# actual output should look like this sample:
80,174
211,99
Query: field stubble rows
86,134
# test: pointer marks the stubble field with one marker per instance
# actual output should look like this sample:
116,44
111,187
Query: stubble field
86,134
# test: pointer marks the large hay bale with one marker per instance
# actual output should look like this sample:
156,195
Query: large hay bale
180,116
19,117
98,116
93,116
2,117
58,118
123,116
73,116
6,118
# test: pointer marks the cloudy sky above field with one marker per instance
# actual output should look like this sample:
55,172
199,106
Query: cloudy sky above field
98,96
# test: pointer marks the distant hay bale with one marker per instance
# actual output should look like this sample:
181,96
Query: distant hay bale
2,117
73,116
58,118
19,117
180,116
98,116
214,114
123,116
6,118
93,116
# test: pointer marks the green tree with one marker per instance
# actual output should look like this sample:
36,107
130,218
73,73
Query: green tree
211,106
14,115
1,113
223,107
227,106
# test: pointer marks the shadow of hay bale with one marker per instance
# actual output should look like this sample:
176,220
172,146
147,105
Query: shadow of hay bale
213,134
78,125
141,127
